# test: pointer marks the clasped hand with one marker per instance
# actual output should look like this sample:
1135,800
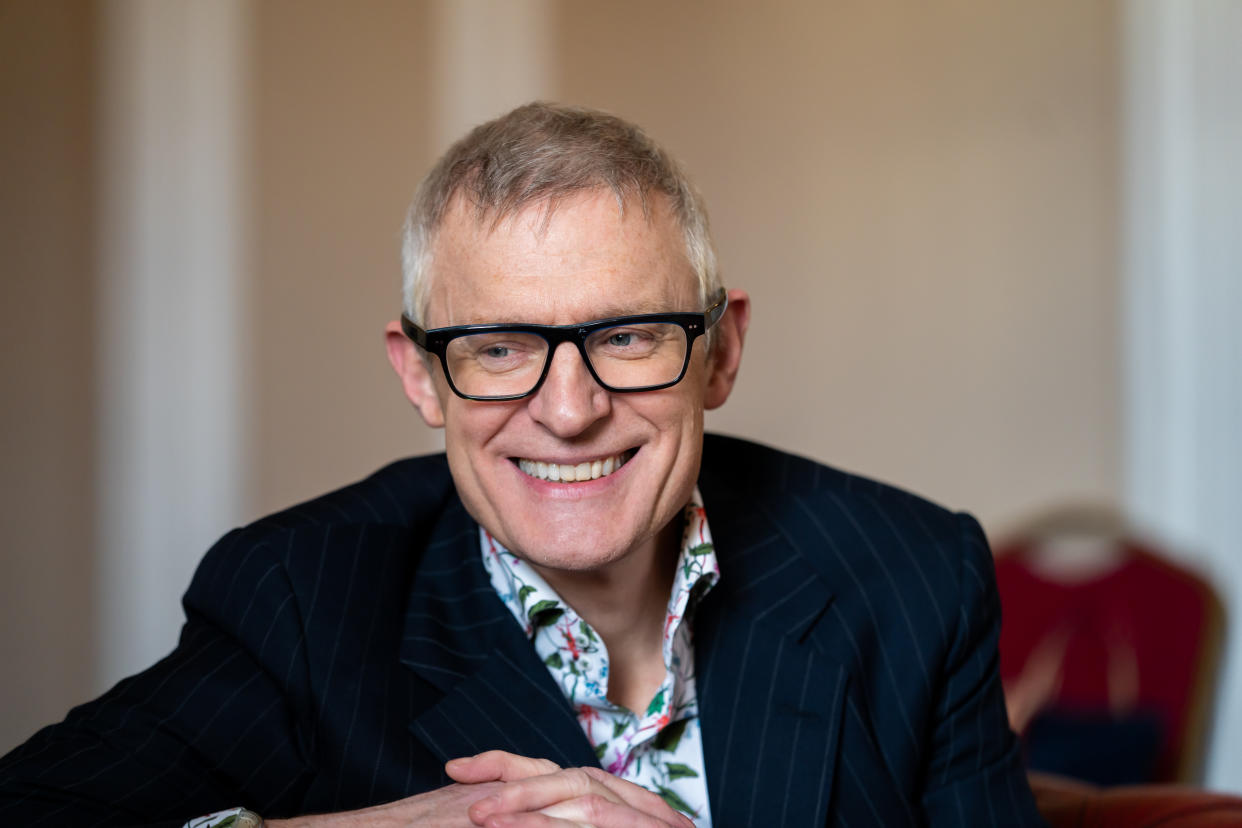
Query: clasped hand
502,790
539,793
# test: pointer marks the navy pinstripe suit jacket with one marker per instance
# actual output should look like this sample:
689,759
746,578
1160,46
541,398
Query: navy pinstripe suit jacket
336,654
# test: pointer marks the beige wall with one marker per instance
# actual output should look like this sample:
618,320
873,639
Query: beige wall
921,200
340,137
46,425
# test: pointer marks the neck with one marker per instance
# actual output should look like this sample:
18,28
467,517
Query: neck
625,603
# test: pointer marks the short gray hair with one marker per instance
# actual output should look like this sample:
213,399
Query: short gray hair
548,152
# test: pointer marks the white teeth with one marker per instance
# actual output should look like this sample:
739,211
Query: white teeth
559,473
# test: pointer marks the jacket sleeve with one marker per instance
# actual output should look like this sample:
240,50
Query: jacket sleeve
975,775
212,725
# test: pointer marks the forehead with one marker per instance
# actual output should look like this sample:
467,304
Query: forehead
583,257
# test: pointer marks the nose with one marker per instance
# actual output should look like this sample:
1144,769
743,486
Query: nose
570,400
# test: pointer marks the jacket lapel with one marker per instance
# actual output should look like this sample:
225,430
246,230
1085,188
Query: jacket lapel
772,677
460,638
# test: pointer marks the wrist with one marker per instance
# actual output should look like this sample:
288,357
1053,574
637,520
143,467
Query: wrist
229,818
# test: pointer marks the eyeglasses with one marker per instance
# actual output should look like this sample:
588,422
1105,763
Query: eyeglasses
646,352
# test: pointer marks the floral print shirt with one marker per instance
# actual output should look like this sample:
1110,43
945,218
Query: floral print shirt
661,747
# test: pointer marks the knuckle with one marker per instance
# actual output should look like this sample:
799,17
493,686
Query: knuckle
594,806
579,779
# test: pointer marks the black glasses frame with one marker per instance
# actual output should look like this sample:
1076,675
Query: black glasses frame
436,341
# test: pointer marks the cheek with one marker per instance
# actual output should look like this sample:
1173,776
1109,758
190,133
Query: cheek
470,427
678,417
469,430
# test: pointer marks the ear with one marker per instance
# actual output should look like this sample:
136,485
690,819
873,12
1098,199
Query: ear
726,357
414,373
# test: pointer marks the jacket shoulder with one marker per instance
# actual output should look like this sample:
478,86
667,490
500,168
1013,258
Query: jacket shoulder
399,494
893,559
777,480
375,526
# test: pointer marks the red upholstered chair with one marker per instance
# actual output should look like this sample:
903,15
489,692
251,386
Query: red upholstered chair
1067,803
1108,651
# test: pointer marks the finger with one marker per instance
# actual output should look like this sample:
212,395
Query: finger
531,820
636,796
591,811
540,792
600,812
497,765
537,792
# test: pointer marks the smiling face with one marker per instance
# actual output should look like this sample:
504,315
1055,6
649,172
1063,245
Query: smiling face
519,465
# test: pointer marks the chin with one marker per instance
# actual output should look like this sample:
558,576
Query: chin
571,551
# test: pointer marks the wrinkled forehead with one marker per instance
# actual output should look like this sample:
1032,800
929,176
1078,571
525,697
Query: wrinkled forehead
588,253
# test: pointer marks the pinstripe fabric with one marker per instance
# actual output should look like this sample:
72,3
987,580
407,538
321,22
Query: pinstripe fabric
884,606
334,655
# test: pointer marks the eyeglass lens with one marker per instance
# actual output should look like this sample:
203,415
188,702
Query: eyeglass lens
509,363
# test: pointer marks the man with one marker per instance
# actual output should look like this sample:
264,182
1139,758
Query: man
581,581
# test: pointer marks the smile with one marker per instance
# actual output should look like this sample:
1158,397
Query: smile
564,473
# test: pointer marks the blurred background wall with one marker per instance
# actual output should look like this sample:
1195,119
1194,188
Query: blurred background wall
970,274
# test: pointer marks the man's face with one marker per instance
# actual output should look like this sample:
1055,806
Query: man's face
587,261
